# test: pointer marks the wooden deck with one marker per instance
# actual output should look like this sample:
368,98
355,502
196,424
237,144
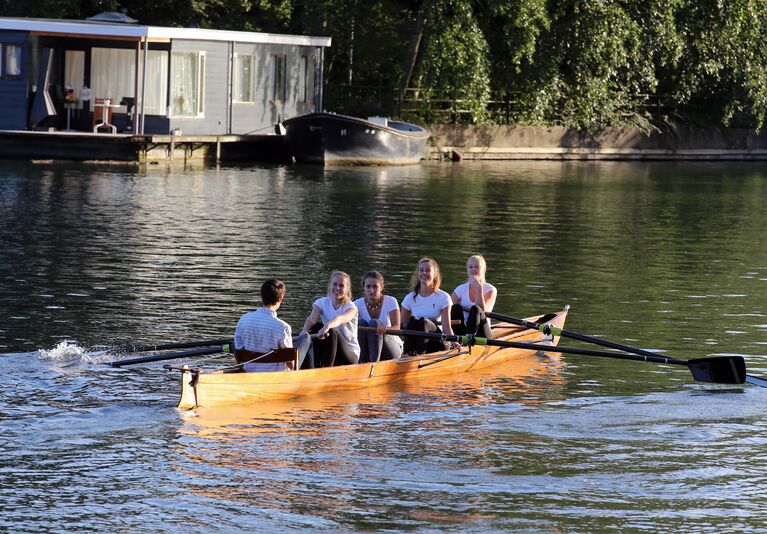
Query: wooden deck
130,148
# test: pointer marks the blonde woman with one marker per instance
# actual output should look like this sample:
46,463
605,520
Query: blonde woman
334,320
472,299
424,306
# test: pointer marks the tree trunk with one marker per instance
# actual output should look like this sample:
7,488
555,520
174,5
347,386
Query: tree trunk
416,36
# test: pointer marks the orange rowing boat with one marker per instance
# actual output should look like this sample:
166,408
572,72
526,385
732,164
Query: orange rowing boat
227,387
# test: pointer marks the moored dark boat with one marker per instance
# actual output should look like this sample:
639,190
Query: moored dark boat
329,138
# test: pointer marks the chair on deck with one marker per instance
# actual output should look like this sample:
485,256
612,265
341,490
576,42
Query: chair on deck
276,360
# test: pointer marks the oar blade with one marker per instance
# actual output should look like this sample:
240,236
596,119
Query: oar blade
756,381
719,369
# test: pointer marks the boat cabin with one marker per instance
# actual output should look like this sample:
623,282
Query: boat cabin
109,74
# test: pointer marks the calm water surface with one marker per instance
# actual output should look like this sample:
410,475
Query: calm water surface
664,256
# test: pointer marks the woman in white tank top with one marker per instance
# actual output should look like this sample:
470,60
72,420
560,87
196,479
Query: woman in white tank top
472,299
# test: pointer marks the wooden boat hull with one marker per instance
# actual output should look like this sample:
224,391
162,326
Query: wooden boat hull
219,388
329,138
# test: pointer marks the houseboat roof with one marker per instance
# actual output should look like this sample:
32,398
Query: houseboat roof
105,30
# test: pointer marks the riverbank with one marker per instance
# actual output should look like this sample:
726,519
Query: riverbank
448,142
467,142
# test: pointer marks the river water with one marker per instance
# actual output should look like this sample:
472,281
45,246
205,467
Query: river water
670,257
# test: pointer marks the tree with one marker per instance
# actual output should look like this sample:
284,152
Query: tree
590,61
723,66
455,59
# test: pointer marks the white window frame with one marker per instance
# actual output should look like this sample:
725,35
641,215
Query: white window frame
238,79
4,47
200,86
279,78
309,85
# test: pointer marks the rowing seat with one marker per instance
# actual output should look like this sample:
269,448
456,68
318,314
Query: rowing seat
276,360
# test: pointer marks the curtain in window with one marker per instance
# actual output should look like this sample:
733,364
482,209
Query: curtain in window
155,92
112,72
112,76
74,72
184,84
244,71
12,60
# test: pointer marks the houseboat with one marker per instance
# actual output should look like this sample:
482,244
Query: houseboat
110,76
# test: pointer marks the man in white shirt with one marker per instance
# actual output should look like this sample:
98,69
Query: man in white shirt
262,331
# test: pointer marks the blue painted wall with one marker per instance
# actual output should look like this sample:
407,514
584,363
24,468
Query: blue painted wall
14,93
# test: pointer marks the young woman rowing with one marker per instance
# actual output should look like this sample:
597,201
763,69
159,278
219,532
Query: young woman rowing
378,311
423,306
472,299
334,320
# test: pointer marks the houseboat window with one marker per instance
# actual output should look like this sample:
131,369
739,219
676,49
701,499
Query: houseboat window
187,84
307,72
244,79
10,64
156,90
113,76
280,78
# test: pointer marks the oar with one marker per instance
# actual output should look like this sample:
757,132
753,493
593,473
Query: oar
179,345
718,364
173,355
718,369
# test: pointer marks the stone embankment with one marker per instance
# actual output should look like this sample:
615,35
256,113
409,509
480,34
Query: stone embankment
466,142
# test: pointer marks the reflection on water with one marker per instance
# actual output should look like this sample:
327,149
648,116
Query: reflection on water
326,455
669,257
529,381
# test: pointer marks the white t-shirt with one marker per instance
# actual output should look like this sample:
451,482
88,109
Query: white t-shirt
430,307
388,305
347,330
462,292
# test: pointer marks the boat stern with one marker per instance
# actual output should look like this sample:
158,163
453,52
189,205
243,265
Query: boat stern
188,388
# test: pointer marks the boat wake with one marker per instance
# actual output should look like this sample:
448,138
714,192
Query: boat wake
69,353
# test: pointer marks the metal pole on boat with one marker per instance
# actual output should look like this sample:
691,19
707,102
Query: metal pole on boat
143,82
321,92
134,111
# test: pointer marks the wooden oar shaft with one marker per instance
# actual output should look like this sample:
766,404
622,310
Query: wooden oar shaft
179,345
172,355
471,340
721,369
585,352
553,330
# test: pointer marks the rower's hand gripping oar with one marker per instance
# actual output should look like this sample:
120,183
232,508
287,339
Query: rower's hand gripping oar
717,369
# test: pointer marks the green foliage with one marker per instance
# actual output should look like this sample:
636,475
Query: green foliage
369,37
723,68
583,63
455,63
513,29
586,67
